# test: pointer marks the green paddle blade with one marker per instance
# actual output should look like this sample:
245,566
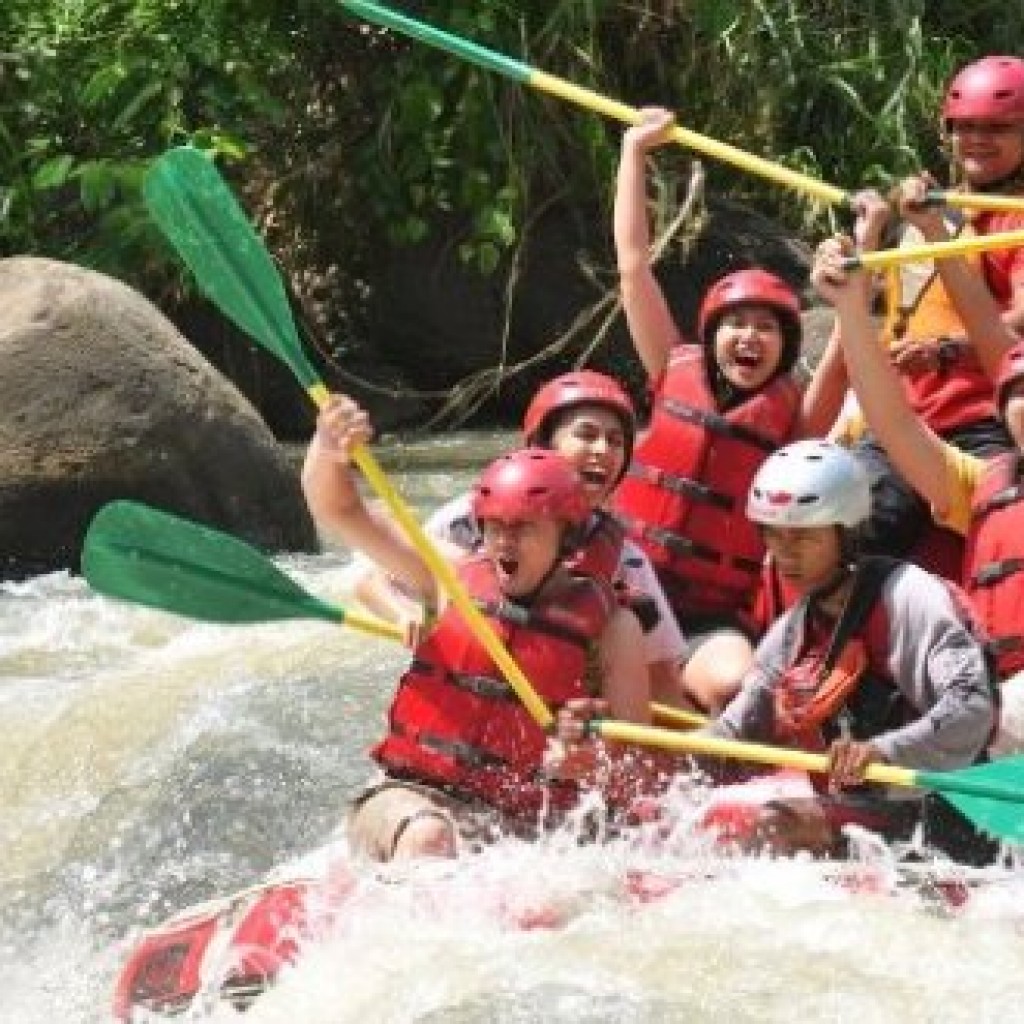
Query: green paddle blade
149,557
990,795
198,214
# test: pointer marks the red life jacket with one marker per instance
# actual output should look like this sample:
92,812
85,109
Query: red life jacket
684,498
838,679
457,723
601,550
957,391
994,560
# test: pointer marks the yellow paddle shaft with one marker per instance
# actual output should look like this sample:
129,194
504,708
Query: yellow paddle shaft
820,190
981,201
372,625
760,753
936,251
565,90
445,575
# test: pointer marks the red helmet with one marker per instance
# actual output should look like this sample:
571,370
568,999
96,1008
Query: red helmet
1011,371
992,87
581,387
530,483
748,287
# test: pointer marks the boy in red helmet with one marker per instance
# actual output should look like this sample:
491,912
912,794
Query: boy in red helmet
719,407
946,371
462,757
587,417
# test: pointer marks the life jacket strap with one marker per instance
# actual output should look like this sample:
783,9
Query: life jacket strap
681,485
717,423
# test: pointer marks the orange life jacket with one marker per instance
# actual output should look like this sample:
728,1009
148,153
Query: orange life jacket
957,391
684,498
994,560
838,681
457,723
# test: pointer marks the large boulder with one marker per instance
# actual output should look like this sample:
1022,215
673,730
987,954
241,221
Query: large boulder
102,398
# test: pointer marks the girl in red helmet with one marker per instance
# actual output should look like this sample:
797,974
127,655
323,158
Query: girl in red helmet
981,499
461,756
719,408
587,417
946,371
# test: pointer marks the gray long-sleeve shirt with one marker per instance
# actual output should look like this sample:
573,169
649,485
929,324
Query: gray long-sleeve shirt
933,657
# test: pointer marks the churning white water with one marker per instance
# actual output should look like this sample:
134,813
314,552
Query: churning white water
148,763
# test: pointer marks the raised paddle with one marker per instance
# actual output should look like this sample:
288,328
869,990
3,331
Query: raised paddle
149,557
554,86
935,250
990,795
201,218
140,554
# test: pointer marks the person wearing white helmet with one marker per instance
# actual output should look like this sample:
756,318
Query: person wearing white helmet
878,661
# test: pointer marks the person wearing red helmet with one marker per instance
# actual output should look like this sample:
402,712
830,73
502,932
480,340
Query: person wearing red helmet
588,418
719,408
946,371
981,499
462,758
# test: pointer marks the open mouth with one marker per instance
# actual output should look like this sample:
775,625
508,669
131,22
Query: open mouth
747,360
594,477
508,566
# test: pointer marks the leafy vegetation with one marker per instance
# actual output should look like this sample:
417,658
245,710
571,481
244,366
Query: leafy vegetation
341,134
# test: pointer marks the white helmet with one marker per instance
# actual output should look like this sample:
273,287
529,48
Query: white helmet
810,483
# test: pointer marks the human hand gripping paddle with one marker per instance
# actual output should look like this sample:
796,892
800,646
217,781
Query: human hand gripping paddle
149,557
554,86
197,212
989,795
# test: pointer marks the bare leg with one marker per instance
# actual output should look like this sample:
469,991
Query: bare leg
396,822
714,671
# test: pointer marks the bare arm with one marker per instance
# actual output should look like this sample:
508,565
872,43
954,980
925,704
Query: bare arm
916,451
338,509
823,398
625,678
650,321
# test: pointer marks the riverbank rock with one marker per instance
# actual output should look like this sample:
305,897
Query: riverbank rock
102,398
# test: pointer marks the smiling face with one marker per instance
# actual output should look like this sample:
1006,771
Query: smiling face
523,551
592,439
989,151
807,557
748,345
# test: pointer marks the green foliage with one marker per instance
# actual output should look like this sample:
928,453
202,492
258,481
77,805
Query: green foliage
342,133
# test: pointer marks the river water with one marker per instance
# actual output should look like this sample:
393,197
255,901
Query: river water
149,762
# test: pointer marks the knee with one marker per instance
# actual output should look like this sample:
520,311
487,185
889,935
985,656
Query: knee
426,834
715,671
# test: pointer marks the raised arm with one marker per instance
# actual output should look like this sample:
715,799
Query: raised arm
338,508
650,321
916,451
826,392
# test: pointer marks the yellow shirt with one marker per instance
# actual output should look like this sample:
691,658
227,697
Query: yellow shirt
963,476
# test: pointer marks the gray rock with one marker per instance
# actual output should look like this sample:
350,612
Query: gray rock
102,398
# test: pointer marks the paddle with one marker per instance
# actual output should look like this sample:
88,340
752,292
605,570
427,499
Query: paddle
197,212
149,557
140,554
934,250
989,795
587,98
